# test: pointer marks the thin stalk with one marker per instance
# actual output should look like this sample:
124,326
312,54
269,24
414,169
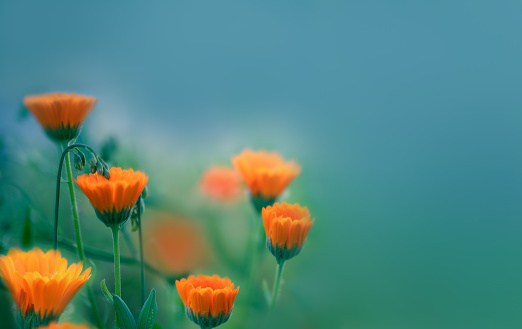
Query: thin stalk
142,261
117,271
65,156
277,281
255,251
76,220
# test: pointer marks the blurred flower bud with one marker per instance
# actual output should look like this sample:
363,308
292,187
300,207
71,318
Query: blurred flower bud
78,163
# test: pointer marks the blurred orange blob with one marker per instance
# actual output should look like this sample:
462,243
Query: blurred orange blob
174,245
208,300
60,114
113,198
286,228
65,325
41,283
221,184
265,173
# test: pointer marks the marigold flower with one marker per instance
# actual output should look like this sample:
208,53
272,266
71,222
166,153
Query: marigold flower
208,300
221,183
266,174
41,283
286,228
173,245
61,115
113,198
65,325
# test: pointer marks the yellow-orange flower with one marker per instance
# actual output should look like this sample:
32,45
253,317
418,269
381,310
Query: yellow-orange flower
113,198
60,114
65,325
286,228
174,245
266,174
208,300
41,283
221,183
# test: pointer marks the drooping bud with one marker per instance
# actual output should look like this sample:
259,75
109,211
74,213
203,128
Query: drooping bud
78,163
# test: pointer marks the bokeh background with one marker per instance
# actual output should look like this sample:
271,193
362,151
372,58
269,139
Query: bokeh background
404,115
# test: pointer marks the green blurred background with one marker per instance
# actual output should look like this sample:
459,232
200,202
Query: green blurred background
405,116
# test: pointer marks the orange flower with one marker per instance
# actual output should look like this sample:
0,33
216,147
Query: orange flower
41,283
174,245
60,114
65,325
113,198
266,174
208,300
221,184
286,228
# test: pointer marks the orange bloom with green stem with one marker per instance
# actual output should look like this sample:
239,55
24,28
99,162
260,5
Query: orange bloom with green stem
286,228
41,283
65,325
113,198
266,175
221,184
208,300
61,115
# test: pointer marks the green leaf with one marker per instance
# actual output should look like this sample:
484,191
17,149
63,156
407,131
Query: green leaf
124,317
148,312
106,292
26,231
156,326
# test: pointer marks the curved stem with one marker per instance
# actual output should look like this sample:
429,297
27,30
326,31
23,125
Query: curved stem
277,280
117,273
142,262
76,220
65,151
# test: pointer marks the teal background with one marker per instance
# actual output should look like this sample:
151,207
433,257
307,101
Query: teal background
405,116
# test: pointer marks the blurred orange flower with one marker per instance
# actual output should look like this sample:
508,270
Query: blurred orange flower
65,325
41,283
113,198
266,174
60,114
221,184
174,245
286,228
208,300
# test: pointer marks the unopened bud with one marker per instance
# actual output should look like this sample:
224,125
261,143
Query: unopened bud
78,163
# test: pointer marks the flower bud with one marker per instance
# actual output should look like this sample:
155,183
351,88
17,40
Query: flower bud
78,163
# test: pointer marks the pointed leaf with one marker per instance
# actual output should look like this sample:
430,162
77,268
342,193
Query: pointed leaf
148,312
106,292
124,317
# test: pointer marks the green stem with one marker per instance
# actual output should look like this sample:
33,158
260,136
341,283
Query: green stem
74,207
77,230
277,280
255,252
142,261
117,273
